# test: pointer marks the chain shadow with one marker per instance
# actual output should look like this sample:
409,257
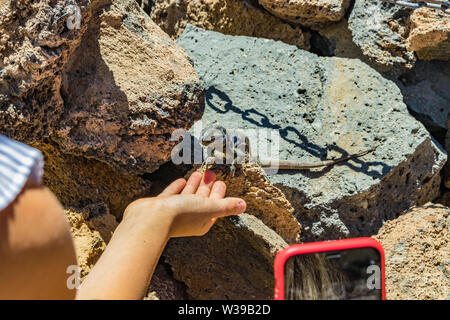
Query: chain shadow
302,142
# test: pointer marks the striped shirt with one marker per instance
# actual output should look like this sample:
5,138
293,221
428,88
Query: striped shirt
18,163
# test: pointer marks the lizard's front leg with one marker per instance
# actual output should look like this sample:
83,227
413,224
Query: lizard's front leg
209,158
233,168
208,161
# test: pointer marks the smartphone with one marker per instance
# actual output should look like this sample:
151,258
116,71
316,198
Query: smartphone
350,269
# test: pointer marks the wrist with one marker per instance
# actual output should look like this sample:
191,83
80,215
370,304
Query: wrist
149,215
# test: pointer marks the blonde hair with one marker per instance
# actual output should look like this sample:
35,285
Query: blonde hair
313,277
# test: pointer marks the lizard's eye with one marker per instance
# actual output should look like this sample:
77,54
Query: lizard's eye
236,140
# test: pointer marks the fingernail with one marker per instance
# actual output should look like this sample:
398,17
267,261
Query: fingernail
240,206
209,177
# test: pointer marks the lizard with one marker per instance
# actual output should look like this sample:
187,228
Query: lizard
226,148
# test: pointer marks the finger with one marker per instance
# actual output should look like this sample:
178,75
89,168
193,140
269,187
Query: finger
174,188
218,190
206,184
192,183
226,207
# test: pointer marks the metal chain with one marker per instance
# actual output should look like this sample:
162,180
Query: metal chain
435,4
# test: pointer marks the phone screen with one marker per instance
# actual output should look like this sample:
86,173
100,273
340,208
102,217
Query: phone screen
350,274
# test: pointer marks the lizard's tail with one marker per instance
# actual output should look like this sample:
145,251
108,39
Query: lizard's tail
296,165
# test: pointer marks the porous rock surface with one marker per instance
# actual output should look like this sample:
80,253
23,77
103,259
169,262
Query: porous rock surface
311,13
91,228
424,86
78,182
380,29
388,36
417,253
234,260
113,90
264,200
35,43
425,92
336,40
429,34
146,5
232,17
322,108
164,287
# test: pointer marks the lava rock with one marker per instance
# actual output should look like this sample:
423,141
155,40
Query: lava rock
425,92
78,182
232,17
311,13
322,108
380,29
35,41
429,34
424,86
417,253
264,201
146,5
164,287
336,40
113,90
91,228
233,261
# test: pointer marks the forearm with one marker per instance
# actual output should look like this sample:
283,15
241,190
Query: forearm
126,266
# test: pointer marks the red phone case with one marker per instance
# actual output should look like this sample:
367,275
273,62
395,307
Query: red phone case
314,247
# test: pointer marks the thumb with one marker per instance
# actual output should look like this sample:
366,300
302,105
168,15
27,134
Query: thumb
226,207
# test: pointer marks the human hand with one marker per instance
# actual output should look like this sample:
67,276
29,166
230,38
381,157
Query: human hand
191,207
184,208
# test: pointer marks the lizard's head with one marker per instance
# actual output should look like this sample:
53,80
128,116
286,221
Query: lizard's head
214,135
